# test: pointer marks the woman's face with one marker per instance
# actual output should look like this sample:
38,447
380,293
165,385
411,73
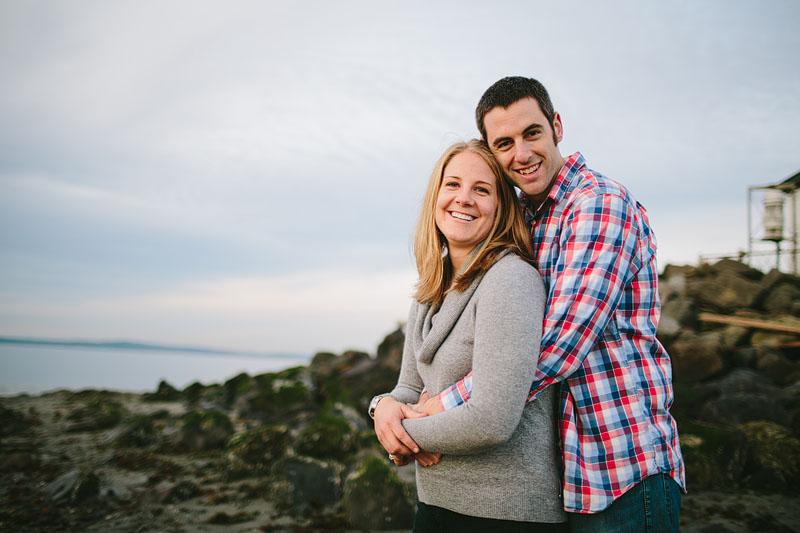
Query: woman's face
466,204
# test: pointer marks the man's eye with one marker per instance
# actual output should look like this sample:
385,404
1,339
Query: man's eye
533,134
502,146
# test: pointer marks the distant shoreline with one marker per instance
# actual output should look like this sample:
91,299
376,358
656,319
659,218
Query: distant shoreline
139,346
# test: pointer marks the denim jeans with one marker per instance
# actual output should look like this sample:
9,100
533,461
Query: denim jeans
653,505
432,519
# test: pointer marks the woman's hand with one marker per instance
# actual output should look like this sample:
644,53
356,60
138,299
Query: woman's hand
428,405
423,458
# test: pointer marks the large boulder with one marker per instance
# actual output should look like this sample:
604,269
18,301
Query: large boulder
741,396
256,451
277,397
390,350
376,499
328,436
771,458
205,430
75,486
304,484
724,289
100,411
697,356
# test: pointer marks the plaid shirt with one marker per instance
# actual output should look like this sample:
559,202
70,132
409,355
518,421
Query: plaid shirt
596,254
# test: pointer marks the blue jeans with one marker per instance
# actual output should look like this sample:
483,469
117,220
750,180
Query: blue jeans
653,505
432,519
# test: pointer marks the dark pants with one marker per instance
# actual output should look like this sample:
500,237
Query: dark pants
652,506
432,519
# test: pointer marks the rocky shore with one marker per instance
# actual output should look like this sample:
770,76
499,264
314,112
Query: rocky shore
293,451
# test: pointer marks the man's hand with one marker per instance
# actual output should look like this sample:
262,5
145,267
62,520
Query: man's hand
428,405
388,427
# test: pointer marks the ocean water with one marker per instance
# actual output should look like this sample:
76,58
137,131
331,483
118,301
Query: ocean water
34,369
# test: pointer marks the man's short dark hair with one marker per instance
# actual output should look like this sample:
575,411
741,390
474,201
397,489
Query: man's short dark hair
509,90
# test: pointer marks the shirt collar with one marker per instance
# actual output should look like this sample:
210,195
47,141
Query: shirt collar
558,190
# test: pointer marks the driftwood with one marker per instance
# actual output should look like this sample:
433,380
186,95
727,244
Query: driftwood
755,323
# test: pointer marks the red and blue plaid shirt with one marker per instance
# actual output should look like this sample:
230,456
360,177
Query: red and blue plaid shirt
596,254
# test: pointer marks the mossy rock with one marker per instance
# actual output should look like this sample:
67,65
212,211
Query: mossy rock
193,392
305,486
236,386
327,437
205,430
257,450
138,430
376,499
164,393
12,421
712,455
771,457
277,396
99,412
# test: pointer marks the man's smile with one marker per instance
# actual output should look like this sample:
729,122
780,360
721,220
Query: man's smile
529,170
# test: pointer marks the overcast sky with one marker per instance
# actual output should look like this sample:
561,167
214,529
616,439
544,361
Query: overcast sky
247,175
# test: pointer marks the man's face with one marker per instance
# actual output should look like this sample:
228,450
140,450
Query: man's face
525,145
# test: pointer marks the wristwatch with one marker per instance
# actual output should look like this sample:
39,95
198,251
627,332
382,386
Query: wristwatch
374,403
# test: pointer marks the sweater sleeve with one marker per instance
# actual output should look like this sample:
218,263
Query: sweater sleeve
409,383
508,325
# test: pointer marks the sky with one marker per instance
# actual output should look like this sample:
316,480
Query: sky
247,175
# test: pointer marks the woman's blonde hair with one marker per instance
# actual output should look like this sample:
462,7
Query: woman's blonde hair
508,231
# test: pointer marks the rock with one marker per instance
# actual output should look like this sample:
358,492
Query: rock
734,336
180,492
729,266
12,421
99,412
137,431
741,396
683,310
697,357
390,350
376,499
236,386
305,484
725,292
277,397
672,281
164,393
255,451
771,363
784,298
771,459
327,437
205,430
75,486
19,457
733,410
711,455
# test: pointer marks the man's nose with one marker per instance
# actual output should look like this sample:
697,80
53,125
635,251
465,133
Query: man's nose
522,153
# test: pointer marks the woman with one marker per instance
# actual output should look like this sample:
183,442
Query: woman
479,306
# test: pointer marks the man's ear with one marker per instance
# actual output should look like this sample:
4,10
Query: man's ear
558,129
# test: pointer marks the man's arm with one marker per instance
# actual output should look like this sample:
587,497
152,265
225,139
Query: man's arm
600,254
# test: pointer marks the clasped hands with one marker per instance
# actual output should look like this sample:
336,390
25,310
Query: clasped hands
389,415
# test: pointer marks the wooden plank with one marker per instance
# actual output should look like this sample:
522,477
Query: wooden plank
756,323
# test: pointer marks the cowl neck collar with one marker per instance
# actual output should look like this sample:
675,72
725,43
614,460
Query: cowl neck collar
435,322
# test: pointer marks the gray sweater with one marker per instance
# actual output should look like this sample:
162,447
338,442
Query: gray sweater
499,452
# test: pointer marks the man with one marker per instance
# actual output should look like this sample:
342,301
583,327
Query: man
596,253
